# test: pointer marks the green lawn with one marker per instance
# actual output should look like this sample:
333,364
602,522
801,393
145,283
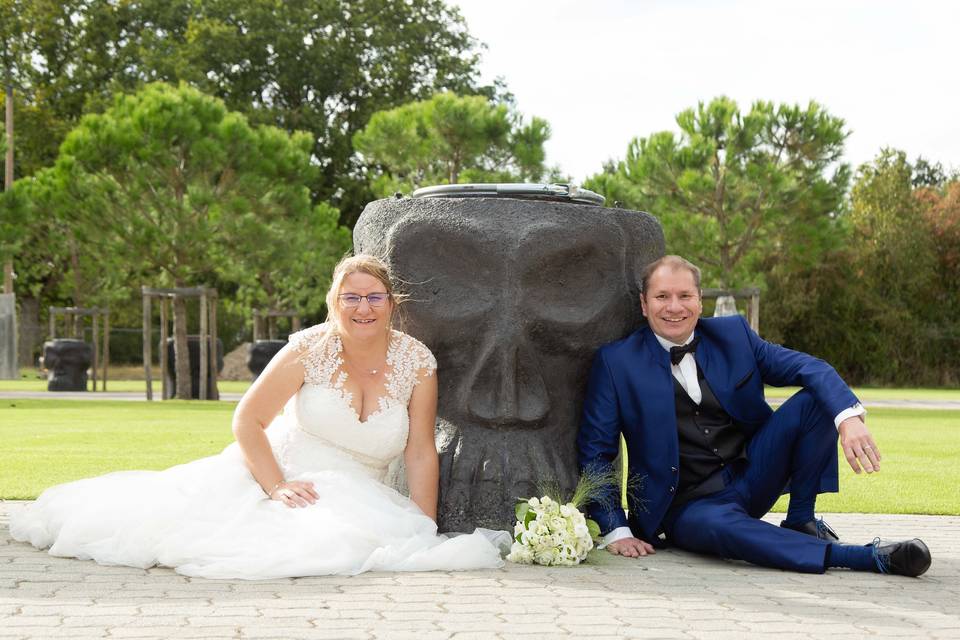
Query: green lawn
879,393
46,442
918,472
50,441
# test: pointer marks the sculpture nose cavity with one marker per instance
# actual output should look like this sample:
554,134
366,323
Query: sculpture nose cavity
505,388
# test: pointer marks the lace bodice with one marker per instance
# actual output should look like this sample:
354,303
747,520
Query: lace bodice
324,429
320,352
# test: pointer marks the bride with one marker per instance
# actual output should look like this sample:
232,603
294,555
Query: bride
297,494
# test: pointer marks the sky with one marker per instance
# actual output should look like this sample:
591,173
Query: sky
602,72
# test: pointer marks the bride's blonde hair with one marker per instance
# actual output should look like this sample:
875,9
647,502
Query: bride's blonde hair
371,266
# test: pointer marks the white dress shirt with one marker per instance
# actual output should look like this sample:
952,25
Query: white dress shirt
686,371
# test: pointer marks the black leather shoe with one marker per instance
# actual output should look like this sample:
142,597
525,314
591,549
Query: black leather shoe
816,528
903,558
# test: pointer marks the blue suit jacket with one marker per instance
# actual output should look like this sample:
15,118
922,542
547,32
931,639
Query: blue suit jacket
631,392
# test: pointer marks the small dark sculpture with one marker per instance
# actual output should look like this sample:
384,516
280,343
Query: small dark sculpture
67,361
261,353
193,349
513,297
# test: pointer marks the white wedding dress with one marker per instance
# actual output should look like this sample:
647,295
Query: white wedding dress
210,518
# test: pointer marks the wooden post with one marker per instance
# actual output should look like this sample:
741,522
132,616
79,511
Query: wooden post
75,317
96,347
204,351
106,346
295,324
165,391
256,325
215,392
147,356
53,323
755,310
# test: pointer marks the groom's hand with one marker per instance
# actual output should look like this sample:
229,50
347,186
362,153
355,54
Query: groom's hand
630,547
858,446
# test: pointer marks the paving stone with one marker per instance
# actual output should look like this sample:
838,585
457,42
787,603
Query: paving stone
530,618
394,625
641,632
305,634
392,634
34,621
81,610
93,619
175,632
46,633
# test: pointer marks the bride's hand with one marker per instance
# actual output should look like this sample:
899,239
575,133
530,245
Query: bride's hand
295,493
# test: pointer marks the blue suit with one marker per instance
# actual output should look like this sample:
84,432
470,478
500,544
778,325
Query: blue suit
631,392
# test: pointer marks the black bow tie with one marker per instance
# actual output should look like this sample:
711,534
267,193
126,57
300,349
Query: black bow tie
677,353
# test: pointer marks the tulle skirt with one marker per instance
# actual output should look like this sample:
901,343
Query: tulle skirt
209,518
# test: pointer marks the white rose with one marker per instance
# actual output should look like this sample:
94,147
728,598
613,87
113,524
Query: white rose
543,556
520,554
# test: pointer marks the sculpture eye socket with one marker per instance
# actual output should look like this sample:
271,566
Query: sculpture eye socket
449,276
573,286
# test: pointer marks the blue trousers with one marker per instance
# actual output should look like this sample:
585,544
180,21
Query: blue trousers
796,446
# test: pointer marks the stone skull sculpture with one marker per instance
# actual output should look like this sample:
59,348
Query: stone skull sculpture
513,297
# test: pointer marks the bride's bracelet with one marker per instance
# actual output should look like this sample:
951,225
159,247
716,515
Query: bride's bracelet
275,487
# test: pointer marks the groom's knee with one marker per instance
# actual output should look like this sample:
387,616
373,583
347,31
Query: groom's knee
704,524
802,411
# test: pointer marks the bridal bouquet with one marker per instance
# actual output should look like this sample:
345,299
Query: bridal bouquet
555,532
550,533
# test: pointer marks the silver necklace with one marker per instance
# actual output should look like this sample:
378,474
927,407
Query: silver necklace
368,372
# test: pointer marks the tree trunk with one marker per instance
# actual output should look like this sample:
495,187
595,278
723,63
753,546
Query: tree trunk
8,170
181,353
79,299
31,336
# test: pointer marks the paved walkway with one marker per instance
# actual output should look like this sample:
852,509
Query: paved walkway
235,397
671,595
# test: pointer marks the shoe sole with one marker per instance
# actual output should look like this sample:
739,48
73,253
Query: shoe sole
928,558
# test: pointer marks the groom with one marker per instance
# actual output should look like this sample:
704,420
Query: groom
686,393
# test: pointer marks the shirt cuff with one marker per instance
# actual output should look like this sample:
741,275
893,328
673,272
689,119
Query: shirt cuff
617,534
855,410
